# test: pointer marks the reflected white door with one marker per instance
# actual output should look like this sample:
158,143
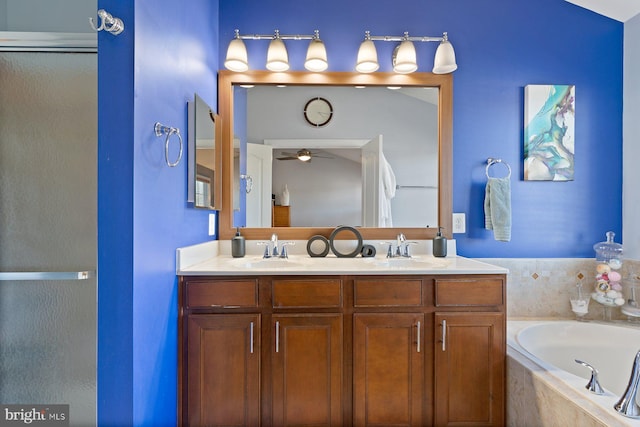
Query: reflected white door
372,189
259,166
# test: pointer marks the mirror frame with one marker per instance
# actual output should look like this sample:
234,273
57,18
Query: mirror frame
444,82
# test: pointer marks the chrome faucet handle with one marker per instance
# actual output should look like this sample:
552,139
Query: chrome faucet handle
407,252
628,404
389,249
593,385
267,252
283,249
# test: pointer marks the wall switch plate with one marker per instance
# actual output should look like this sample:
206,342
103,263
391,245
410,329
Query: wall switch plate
459,223
212,224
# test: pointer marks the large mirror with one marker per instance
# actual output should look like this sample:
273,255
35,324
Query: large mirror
204,183
382,160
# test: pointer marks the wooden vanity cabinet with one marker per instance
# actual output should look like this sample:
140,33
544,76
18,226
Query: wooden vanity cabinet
220,357
389,384
388,369
469,356
413,350
306,369
223,378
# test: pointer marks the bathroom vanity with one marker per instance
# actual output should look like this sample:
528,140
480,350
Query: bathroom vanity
331,341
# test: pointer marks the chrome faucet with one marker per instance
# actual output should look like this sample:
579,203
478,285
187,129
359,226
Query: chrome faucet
274,244
593,385
273,249
402,247
627,405
400,239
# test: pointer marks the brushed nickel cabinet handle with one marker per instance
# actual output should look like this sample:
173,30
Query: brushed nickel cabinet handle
277,337
418,336
444,335
251,341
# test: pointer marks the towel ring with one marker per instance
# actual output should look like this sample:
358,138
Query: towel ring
160,130
491,161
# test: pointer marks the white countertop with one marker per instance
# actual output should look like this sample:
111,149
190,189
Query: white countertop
207,260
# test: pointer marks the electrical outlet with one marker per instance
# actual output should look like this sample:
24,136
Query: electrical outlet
212,224
459,223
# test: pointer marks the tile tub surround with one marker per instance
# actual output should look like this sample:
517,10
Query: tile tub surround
540,287
539,394
537,398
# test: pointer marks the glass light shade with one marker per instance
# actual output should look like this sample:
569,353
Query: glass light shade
277,57
404,58
237,56
445,59
304,155
316,56
367,57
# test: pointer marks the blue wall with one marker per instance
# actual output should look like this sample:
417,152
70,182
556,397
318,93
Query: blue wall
170,50
147,74
115,221
501,46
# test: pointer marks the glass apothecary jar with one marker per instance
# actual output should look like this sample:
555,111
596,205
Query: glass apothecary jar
608,287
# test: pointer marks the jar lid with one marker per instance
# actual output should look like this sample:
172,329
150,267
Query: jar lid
608,249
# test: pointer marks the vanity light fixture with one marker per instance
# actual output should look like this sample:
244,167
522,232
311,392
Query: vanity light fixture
404,55
237,59
316,54
367,55
277,57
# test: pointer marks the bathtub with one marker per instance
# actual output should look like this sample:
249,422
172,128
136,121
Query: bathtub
547,387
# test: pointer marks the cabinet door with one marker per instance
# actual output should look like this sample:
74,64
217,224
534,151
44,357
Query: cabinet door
223,378
469,369
307,370
388,369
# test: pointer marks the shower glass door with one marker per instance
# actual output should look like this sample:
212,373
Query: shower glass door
48,184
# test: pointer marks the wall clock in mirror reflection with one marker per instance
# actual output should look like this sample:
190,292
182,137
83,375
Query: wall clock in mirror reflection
318,111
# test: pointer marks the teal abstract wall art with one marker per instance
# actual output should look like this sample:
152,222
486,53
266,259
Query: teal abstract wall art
549,132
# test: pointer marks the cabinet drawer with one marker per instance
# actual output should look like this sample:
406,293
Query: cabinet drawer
399,292
222,293
468,292
307,293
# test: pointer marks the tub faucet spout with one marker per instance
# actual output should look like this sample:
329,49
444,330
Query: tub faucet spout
627,405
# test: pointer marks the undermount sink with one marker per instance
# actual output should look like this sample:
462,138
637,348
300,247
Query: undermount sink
412,262
262,263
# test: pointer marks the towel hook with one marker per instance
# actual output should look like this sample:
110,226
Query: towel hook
491,161
108,23
160,130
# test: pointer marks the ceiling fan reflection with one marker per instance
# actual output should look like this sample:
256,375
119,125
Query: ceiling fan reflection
303,155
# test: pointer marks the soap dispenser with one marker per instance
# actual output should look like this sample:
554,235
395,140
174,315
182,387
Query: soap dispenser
237,245
440,244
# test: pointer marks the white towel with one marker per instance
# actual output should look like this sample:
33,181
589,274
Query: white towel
388,179
497,208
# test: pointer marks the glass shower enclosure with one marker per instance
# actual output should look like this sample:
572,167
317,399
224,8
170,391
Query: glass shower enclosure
48,185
